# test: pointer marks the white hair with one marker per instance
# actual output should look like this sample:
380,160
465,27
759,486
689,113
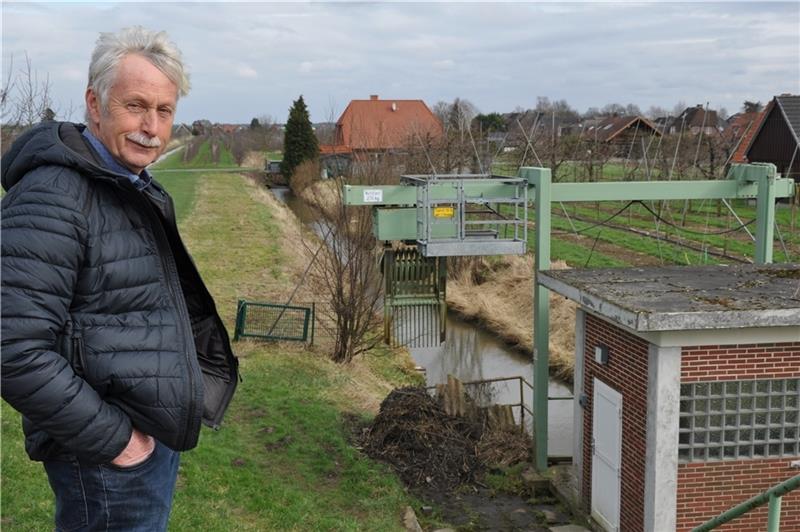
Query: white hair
153,46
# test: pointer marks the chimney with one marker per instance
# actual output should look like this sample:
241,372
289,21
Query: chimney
373,96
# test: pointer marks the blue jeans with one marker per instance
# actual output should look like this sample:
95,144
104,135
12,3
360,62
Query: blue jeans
106,497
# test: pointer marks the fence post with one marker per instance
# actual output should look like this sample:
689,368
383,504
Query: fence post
237,330
313,320
765,214
774,515
521,406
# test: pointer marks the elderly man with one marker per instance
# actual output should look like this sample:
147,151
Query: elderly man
112,347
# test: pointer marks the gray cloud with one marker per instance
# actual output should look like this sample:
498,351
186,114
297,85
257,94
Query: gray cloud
251,59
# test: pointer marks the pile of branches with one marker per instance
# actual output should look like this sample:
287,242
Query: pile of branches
430,448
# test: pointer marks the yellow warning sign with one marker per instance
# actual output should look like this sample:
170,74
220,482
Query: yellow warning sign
443,212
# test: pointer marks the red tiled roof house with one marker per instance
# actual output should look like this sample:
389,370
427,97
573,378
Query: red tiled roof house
379,126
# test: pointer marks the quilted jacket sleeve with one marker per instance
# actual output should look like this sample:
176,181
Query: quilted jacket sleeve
44,235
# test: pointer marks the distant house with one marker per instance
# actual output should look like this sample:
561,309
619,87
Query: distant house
522,125
384,125
776,137
624,133
228,129
370,128
695,120
664,123
201,127
181,130
741,128
742,122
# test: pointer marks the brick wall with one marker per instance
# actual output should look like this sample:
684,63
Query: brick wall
626,372
740,362
707,489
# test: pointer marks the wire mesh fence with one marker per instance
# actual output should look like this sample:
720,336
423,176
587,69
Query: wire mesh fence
270,321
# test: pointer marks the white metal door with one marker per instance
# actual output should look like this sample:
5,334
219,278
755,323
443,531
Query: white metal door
606,455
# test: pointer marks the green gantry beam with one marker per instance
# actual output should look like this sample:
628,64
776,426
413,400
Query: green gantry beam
444,192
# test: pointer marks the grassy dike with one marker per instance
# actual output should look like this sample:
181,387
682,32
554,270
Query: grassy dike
282,460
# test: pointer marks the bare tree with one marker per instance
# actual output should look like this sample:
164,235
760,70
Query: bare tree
456,152
613,109
271,132
656,111
752,107
679,108
25,100
346,271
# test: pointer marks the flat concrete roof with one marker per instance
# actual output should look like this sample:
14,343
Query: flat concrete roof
672,298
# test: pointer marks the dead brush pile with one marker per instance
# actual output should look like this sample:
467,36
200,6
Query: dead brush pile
498,293
430,448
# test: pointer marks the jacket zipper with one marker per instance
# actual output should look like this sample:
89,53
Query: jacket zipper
170,271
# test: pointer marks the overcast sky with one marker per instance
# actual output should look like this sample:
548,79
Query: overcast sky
253,59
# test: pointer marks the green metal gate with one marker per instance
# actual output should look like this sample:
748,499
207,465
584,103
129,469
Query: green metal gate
274,322
414,298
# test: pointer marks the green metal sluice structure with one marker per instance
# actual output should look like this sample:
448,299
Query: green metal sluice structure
414,301
445,216
459,215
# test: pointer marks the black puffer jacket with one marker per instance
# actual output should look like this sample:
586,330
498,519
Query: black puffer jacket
106,324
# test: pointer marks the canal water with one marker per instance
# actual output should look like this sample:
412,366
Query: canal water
472,354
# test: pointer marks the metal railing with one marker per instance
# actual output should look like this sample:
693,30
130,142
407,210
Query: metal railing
771,496
521,404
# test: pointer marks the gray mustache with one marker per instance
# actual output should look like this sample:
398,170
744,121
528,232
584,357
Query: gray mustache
144,140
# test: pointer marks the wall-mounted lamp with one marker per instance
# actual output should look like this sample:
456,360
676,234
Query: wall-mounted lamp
601,354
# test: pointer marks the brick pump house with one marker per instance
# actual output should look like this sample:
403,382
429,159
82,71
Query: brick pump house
687,387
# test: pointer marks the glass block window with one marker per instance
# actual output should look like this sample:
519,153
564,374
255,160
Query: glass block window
739,419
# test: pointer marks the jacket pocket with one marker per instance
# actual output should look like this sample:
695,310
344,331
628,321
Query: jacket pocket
78,353
218,365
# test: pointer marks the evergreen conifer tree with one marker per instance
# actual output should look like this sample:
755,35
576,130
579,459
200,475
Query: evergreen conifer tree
299,141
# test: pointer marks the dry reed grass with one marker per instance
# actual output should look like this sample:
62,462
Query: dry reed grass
253,159
499,295
293,234
322,195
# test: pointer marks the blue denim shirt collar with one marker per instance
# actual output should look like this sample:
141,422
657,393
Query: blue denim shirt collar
140,181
